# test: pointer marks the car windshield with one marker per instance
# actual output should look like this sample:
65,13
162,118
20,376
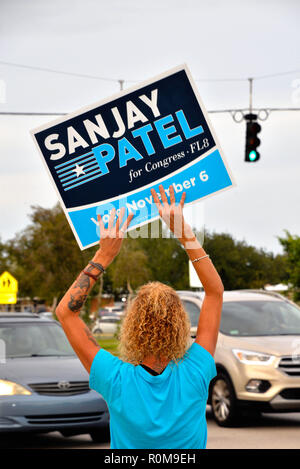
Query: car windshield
34,340
258,318
193,311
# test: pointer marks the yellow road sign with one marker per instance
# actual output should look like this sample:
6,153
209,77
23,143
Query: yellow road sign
8,289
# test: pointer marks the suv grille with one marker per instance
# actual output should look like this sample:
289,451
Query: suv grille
290,393
61,388
290,366
64,418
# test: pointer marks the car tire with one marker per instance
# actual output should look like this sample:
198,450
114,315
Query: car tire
97,331
223,401
100,436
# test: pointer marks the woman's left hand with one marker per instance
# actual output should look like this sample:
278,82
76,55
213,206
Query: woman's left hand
172,214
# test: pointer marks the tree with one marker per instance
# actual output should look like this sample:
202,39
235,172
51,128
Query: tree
46,259
291,246
242,266
45,256
4,258
167,260
130,270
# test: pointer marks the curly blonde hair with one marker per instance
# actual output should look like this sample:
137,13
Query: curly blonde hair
155,324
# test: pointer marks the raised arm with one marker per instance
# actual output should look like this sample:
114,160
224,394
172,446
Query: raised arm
210,316
77,332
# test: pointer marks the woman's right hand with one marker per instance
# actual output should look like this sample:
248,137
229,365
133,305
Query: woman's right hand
173,214
111,238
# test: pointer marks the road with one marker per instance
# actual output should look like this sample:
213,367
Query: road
276,431
270,431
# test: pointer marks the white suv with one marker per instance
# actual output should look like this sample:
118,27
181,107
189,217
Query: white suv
257,355
106,325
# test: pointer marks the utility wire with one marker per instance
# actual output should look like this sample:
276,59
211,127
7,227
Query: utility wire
213,111
280,74
115,80
50,70
121,82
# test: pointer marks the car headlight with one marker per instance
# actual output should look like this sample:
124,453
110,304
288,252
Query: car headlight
8,388
249,357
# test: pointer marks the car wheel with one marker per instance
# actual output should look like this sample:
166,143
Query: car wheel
223,401
100,436
97,331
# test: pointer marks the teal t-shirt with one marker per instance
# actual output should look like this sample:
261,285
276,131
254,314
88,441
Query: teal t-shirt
151,412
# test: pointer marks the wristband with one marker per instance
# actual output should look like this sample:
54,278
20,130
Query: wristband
90,275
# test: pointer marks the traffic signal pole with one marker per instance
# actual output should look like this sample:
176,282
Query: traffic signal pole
250,94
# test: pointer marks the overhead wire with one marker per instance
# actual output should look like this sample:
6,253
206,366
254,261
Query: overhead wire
121,81
117,80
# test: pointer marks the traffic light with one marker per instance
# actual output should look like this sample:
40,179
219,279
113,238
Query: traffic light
252,141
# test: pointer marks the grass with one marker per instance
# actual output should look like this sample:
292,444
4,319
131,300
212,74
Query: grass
109,343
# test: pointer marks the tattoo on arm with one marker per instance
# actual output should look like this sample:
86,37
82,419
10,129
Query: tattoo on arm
90,336
79,296
83,282
76,302
80,291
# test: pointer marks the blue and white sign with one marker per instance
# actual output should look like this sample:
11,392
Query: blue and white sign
111,154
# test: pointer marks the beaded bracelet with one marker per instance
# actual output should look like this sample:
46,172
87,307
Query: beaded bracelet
199,258
97,266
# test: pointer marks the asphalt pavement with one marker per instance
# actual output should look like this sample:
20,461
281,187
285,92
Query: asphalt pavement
270,431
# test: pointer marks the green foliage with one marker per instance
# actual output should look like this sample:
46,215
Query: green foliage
45,259
5,263
129,269
291,246
241,266
110,344
167,260
143,259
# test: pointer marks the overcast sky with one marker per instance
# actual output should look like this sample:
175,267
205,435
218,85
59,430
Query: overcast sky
135,40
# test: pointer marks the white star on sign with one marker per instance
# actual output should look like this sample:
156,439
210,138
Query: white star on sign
78,170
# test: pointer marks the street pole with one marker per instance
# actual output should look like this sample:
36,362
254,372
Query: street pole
250,94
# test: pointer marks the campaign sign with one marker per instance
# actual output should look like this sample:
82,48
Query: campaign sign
112,153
